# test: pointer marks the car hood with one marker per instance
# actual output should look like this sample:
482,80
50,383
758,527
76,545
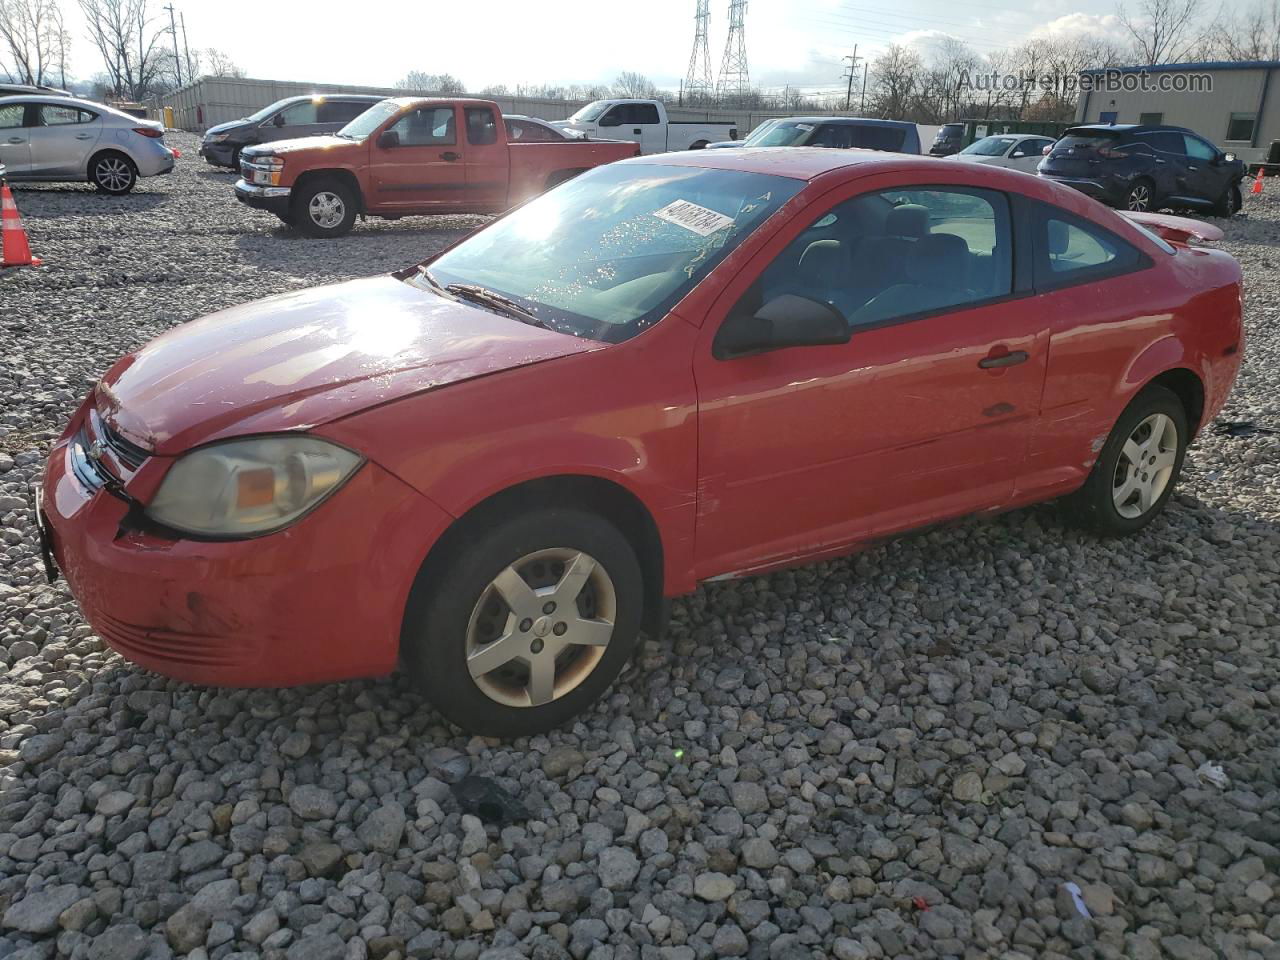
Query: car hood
297,360
974,158
318,142
224,127
725,143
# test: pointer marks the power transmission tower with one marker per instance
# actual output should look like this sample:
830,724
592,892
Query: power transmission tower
698,84
173,32
850,74
734,79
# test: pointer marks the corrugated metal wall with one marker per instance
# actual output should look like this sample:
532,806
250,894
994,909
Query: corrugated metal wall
213,100
1234,91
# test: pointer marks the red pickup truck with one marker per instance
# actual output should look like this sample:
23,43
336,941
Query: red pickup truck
406,156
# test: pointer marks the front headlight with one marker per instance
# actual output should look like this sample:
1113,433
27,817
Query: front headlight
217,137
242,488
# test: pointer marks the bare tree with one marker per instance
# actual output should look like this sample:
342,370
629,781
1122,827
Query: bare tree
893,83
219,64
127,36
423,82
634,85
31,31
1250,34
1162,31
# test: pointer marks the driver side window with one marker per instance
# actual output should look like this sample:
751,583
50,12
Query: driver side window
896,254
426,127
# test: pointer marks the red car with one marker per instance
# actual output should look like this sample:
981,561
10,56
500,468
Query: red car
492,468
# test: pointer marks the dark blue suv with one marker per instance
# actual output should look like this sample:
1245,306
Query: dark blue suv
1146,167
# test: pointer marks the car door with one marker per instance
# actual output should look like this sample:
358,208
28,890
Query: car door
486,160
1168,165
1205,178
298,119
62,139
926,412
1026,154
1098,297
15,140
421,167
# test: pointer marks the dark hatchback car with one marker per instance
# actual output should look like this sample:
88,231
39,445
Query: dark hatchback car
1146,167
841,133
283,120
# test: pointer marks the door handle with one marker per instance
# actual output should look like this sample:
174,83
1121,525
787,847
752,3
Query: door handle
450,156
16,140
993,361
1189,167
83,136
638,130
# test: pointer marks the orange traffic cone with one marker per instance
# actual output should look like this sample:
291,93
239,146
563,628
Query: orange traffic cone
1257,181
14,249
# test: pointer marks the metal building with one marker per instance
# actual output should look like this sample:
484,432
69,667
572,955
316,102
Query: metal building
1236,105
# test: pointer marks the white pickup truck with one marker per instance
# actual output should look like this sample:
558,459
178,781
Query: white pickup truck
645,122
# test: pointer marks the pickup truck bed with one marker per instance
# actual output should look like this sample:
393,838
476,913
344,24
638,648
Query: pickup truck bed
410,156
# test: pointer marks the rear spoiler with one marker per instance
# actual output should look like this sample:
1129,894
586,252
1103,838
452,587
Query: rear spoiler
1175,229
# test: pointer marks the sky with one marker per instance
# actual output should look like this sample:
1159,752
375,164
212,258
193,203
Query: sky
798,42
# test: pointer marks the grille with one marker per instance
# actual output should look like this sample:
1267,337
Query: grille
129,453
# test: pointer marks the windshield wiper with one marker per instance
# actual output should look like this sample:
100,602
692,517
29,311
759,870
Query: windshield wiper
492,299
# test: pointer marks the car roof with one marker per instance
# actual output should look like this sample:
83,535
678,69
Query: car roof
1128,128
57,101
848,121
798,163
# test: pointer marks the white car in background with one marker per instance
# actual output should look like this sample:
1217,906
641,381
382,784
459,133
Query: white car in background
645,122
65,139
1017,151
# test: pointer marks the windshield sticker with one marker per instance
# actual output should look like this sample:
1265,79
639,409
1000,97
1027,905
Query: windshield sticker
804,126
692,217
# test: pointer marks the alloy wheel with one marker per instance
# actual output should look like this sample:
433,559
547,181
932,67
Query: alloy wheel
326,210
1145,466
1139,197
113,173
540,627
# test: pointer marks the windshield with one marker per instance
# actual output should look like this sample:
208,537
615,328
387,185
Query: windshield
369,121
609,253
989,146
590,112
789,133
950,130
268,111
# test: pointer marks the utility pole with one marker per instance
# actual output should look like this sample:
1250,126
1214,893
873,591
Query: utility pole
853,64
186,50
173,32
866,68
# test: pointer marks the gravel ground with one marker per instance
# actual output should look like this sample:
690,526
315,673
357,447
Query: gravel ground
907,753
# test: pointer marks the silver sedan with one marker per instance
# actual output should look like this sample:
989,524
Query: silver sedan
66,139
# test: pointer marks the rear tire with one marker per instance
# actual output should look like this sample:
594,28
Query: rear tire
559,177
1141,196
112,172
474,602
1137,468
699,145
323,207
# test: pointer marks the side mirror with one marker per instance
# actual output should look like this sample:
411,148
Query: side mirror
1016,154
785,321
278,120
611,120
388,140
1047,150
1228,158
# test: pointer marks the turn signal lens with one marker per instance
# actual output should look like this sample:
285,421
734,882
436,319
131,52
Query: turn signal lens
247,487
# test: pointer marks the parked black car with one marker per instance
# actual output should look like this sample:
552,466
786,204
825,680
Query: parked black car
283,120
948,140
1146,167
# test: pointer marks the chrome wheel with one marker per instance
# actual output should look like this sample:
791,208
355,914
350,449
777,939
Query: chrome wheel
1139,197
540,627
113,174
326,210
1145,466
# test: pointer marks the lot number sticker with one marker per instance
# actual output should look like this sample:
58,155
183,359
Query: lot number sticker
692,217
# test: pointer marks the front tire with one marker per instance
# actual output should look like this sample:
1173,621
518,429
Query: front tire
324,207
524,626
1141,196
1137,469
113,173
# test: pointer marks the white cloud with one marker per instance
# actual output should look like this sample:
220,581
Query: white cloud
1079,25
